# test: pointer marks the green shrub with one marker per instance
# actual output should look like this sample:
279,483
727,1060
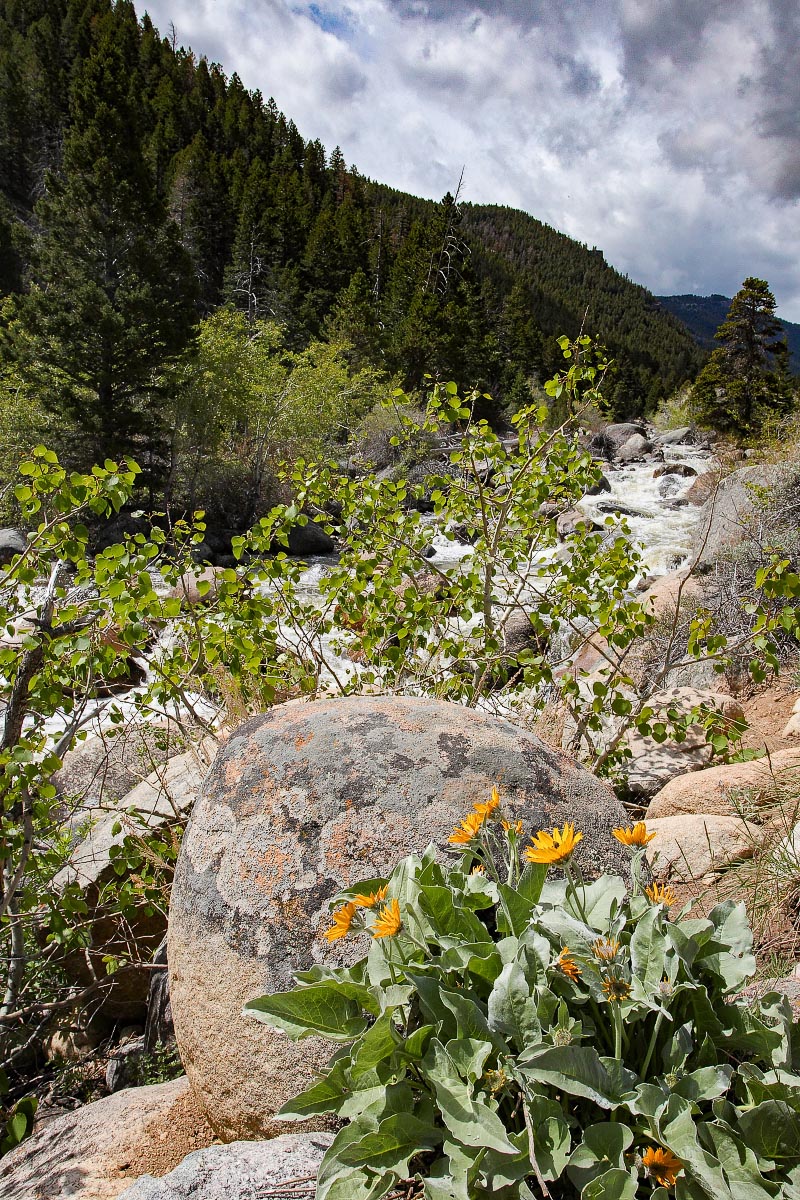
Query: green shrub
510,1035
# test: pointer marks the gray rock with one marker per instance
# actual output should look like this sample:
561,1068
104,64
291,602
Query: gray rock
122,1068
157,800
608,441
572,522
668,486
109,767
240,1171
634,449
304,801
602,485
727,517
308,539
617,508
159,1029
12,541
674,469
675,437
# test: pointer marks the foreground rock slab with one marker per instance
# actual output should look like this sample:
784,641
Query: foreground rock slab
303,802
241,1171
95,1151
690,847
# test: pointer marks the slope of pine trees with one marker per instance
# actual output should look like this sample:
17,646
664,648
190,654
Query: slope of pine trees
226,187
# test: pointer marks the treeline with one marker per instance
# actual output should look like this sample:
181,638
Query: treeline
142,189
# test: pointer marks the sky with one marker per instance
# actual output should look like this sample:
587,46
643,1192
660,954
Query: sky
665,132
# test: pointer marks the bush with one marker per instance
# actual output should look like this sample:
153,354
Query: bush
509,1035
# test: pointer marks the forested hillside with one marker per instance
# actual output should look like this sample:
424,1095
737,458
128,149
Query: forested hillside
98,112
703,315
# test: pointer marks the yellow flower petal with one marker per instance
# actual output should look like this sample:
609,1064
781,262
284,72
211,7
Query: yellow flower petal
364,900
342,920
553,847
662,1165
388,922
633,835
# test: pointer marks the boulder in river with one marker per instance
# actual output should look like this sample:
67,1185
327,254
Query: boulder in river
303,801
12,542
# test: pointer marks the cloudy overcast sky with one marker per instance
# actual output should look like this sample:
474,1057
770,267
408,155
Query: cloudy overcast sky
666,132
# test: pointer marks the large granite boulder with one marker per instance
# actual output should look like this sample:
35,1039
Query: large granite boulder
304,801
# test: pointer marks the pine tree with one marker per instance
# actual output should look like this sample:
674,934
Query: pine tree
747,377
112,301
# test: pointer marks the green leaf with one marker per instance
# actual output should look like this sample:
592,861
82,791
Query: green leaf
377,1045
615,1184
318,1009
467,1117
602,1148
397,1138
772,1130
512,1009
576,1070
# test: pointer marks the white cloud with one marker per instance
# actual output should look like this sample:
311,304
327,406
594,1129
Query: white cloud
651,128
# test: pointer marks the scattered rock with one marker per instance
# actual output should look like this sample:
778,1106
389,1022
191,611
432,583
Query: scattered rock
675,437
574,521
634,449
158,1029
608,441
792,728
239,1171
668,486
305,541
602,485
12,542
674,468
673,589
189,591
94,1152
690,846
108,768
717,789
302,802
701,489
617,508
122,1068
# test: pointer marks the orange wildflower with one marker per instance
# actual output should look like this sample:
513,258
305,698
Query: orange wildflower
553,847
633,835
388,922
566,964
485,809
660,894
369,901
512,826
662,1165
478,870
616,990
466,831
605,949
342,920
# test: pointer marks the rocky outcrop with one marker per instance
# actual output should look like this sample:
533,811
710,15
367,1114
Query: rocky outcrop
94,1152
608,441
303,801
12,542
717,790
728,515
635,449
241,1171
675,437
652,764
201,587
161,797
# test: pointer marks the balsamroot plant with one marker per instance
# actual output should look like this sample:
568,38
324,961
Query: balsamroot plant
511,1035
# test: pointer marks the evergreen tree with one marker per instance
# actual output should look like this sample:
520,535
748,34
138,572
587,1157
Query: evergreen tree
112,301
747,376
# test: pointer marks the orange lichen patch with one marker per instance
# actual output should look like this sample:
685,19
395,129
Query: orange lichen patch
301,741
